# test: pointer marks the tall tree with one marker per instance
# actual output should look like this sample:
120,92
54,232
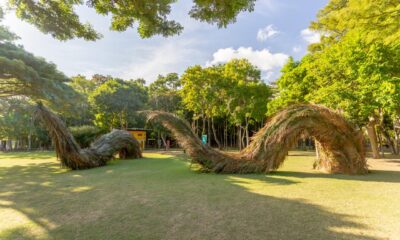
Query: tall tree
247,96
115,103
164,93
359,78
233,91
23,74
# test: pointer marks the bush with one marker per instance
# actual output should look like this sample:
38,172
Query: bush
84,135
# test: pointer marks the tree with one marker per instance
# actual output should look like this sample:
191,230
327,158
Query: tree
375,24
17,125
115,102
359,78
293,85
164,93
247,96
374,19
23,74
84,88
233,91
59,18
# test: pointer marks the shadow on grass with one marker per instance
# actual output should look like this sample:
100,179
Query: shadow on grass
27,155
372,176
123,201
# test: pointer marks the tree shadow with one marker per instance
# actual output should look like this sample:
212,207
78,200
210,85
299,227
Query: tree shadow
372,176
122,201
28,155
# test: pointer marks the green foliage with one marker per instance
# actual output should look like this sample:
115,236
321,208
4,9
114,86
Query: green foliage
374,19
353,75
221,12
233,92
17,123
164,93
247,96
234,89
5,34
84,88
115,102
23,74
15,119
86,134
294,84
59,18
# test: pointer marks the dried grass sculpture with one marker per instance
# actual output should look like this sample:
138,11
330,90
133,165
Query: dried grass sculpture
340,144
98,154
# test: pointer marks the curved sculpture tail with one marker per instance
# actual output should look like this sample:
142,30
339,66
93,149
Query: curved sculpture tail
98,154
340,144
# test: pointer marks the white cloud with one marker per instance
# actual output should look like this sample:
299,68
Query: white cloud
263,59
267,32
310,36
297,49
269,63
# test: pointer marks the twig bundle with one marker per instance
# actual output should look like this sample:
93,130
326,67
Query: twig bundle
340,143
98,154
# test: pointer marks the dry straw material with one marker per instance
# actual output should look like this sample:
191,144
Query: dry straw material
98,154
340,144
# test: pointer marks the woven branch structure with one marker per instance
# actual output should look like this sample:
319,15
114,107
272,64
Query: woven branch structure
340,144
100,151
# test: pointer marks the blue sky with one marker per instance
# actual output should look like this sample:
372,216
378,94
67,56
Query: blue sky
267,36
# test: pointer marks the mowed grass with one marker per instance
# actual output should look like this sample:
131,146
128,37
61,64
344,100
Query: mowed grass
160,197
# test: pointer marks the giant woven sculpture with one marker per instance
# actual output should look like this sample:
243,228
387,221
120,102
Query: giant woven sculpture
98,154
340,144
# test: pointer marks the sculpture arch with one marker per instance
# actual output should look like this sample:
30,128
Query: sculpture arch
100,151
340,143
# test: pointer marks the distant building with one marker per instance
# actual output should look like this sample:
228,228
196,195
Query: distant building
140,135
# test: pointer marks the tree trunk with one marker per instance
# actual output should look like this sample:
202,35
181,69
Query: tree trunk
203,131
225,134
247,132
121,120
196,127
388,140
380,145
396,141
240,138
215,134
208,132
373,139
164,141
243,138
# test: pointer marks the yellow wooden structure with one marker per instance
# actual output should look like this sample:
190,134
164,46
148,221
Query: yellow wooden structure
140,135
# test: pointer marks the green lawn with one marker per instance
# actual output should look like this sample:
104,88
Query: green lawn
159,197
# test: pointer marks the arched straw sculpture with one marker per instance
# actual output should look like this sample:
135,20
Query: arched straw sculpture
340,144
98,154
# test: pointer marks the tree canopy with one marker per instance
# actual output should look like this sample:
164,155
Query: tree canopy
24,74
115,101
374,19
354,69
59,18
